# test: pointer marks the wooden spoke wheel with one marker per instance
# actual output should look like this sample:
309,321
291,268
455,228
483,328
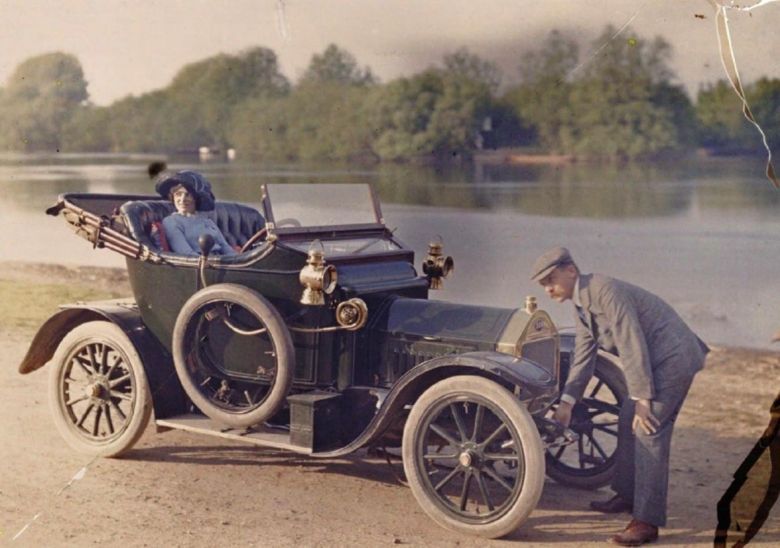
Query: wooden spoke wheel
98,390
473,457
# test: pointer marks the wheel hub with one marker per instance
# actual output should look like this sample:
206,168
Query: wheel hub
469,455
97,389
465,459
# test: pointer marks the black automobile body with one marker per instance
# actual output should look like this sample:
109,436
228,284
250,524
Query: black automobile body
319,337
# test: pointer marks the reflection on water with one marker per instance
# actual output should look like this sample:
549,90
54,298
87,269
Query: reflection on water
702,234
625,191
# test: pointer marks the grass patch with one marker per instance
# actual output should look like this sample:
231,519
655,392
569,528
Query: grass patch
24,306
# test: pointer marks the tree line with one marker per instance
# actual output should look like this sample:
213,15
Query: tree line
622,103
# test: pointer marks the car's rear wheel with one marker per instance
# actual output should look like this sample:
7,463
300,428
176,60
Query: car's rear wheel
98,390
233,354
473,457
590,462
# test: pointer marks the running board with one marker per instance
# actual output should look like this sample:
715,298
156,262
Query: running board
256,435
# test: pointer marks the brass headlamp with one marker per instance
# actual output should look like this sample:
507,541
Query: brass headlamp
436,265
317,278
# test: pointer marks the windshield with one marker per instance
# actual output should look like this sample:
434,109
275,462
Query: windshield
302,205
350,246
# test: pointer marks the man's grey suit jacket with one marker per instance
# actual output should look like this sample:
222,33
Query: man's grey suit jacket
655,346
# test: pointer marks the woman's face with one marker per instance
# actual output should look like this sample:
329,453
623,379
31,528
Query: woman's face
183,200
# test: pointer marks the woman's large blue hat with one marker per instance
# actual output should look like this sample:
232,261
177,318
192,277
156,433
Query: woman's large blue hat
194,182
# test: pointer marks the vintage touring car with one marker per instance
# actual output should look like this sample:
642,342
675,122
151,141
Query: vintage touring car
319,338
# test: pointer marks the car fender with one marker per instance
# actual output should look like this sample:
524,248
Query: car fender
167,394
537,388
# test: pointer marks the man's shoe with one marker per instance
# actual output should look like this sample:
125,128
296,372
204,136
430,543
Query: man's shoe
637,533
615,505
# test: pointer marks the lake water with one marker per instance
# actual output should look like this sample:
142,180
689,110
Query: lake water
704,234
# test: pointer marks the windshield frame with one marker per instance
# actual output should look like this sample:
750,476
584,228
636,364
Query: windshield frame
270,221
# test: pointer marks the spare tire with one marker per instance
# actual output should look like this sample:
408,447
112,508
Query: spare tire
233,354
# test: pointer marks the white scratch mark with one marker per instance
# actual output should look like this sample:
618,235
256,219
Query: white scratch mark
76,477
732,73
731,4
281,20
23,529
605,44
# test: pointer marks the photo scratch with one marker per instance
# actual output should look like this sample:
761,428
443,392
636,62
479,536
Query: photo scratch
76,477
618,32
732,73
281,20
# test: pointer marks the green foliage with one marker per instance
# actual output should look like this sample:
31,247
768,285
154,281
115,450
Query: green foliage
206,92
614,112
321,119
542,98
315,122
336,66
194,110
618,104
723,127
674,100
87,129
438,112
621,102
465,65
41,96
764,97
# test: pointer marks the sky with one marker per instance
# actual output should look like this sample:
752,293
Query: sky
132,47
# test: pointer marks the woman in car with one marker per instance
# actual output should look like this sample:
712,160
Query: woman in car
191,194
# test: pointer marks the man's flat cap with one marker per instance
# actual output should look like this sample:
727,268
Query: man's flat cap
545,264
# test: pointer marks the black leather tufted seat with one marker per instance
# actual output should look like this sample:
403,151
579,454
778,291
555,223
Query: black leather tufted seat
236,221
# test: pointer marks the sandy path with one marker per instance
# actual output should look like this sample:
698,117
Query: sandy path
180,489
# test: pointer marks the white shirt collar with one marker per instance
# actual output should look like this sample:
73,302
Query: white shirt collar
575,298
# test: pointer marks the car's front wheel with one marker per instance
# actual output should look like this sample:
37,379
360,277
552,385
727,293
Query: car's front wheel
473,457
98,390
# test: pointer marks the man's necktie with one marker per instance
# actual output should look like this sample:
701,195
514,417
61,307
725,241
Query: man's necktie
581,314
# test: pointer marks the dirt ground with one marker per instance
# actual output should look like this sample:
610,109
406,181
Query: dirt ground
181,489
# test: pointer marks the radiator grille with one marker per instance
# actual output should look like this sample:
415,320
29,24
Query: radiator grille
542,351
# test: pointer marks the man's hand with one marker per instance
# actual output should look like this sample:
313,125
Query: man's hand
563,413
644,418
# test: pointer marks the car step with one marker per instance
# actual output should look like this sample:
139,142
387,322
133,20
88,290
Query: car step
257,435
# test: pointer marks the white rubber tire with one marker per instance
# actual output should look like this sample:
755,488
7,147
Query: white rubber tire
64,389
486,392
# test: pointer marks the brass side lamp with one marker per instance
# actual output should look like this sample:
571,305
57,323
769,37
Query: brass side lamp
436,265
317,278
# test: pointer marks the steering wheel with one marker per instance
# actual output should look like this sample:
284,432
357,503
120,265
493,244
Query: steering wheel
253,239
290,221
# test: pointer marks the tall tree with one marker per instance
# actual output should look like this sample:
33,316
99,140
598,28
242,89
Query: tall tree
612,104
206,92
542,98
719,113
464,64
336,66
41,96
765,103
722,125
432,113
